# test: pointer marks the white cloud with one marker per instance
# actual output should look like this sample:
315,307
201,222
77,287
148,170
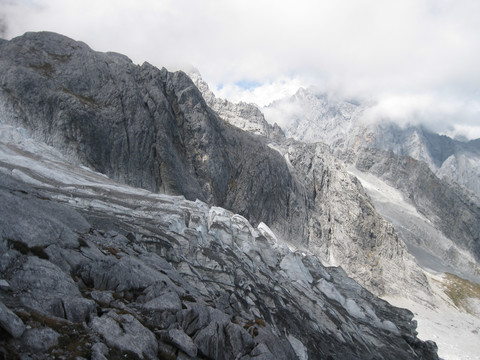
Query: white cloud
440,113
261,94
377,49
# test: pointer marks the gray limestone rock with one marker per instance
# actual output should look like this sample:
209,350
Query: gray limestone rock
43,287
451,215
102,297
157,132
35,230
169,301
245,116
154,132
125,332
180,340
99,351
312,117
227,305
10,322
39,339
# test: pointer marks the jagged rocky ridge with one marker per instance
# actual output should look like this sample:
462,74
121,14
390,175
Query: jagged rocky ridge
152,129
90,268
311,117
245,116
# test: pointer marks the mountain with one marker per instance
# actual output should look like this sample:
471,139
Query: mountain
138,223
150,128
422,166
311,117
435,218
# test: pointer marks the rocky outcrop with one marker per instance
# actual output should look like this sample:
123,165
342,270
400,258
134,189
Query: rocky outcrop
436,217
245,116
458,161
345,228
147,276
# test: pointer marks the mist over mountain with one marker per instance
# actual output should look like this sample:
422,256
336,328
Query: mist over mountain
176,224
342,124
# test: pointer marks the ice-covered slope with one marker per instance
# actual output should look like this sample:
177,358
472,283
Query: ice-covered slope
455,328
432,249
144,275
451,315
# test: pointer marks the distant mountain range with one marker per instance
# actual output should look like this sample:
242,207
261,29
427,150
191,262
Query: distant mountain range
311,117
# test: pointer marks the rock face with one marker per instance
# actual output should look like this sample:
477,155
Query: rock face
344,227
245,116
154,276
152,129
447,158
451,215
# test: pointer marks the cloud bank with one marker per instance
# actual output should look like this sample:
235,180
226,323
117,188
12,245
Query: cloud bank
415,58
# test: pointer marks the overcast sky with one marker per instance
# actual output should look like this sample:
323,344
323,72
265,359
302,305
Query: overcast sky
418,59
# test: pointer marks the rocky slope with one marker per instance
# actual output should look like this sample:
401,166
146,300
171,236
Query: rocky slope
311,117
340,226
90,268
431,214
152,129
139,125
245,116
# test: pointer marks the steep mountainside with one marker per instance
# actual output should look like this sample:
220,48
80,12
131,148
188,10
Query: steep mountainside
139,125
310,117
152,129
437,219
449,228
90,268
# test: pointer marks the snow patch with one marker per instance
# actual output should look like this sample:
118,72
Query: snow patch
457,333
294,268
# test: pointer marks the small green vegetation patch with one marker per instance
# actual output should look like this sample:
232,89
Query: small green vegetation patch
460,290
